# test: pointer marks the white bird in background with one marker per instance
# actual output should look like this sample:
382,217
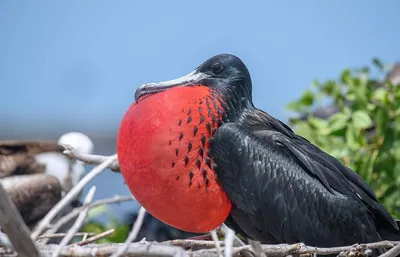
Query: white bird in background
36,174
68,171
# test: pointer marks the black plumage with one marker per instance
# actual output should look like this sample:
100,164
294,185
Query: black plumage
283,188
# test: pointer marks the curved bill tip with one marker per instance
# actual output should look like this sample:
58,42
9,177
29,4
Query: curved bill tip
151,88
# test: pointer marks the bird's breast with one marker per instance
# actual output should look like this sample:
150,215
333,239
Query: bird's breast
165,157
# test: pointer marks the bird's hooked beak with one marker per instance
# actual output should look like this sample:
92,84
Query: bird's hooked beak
192,78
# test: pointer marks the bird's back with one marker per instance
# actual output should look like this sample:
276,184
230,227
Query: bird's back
286,190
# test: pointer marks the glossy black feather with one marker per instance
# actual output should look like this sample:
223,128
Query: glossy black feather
287,190
283,189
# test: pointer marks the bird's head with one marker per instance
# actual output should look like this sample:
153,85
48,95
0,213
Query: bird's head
224,74
79,141
83,144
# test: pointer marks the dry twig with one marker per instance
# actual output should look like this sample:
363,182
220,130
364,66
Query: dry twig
256,245
216,242
15,228
134,249
132,236
395,251
229,237
58,235
91,159
70,196
96,237
78,223
5,241
191,244
76,211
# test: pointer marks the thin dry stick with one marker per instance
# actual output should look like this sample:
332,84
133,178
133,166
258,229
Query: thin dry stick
70,196
256,245
84,237
132,236
191,244
57,235
96,237
78,223
5,241
91,159
395,251
237,241
286,249
75,212
134,249
14,226
229,237
216,242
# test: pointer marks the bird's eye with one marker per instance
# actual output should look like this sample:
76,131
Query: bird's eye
217,67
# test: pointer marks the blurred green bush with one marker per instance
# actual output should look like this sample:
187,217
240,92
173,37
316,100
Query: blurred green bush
356,118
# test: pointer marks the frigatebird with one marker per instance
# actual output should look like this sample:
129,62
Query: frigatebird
196,152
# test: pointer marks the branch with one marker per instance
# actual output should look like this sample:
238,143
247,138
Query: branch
14,226
78,223
216,242
132,236
96,237
229,237
191,244
134,249
395,251
63,220
91,159
58,235
71,195
256,245
5,241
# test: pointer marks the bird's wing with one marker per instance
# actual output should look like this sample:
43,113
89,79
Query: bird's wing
274,176
17,157
327,169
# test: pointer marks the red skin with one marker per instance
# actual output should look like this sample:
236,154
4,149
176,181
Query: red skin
155,141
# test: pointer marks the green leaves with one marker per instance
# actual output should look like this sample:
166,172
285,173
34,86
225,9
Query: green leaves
361,119
337,122
364,133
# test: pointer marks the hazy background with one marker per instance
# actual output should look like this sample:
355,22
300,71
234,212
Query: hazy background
74,65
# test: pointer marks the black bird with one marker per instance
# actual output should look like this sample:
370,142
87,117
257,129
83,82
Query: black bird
282,188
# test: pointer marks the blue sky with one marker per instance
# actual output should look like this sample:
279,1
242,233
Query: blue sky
78,63
74,65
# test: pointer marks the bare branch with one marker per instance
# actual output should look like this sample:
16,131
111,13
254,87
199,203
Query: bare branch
15,227
395,251
134,249
191,244
5,241
229,237
256,245
91,159
96,237
236,241
71,195
58,235
116,199
216,242
132,236
78,223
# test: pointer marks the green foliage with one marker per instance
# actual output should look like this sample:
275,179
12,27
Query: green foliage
364,133
94,225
